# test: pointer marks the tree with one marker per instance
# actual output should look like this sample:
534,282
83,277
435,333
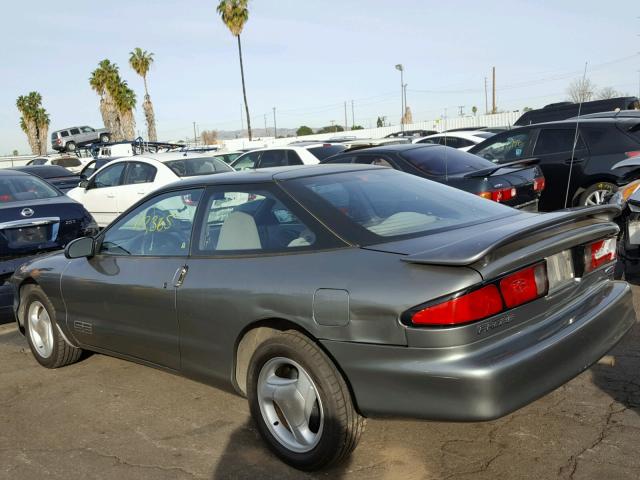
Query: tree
234,14
331,129
581,90
304,130
117,100
608,92
209,137
141,61
527,109
34,121
379,122
474,110
15,153
357,127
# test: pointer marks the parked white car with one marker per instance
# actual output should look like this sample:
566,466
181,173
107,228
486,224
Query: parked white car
302,153
71,162
121,183
462,140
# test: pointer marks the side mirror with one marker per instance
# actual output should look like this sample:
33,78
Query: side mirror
84,183
80,247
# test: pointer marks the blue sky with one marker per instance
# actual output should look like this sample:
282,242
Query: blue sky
307,58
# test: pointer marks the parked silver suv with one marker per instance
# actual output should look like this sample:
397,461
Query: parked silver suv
70,138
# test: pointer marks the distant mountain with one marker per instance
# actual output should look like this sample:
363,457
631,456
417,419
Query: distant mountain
257,132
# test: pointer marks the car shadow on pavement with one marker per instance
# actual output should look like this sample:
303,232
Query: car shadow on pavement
622,380
246,456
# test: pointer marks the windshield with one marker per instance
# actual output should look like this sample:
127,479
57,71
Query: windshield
24,187
440,160
326,151
189,167
370,206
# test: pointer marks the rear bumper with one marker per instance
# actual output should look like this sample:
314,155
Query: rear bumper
484,381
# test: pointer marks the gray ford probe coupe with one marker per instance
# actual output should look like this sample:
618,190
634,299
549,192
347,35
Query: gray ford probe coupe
332,293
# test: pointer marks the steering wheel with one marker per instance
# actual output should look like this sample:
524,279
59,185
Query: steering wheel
162,243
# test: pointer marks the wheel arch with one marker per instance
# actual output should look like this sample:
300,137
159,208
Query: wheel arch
19,313
253,334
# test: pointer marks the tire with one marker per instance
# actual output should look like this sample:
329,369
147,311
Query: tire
333,426
104,138
70,147
600,190
51,352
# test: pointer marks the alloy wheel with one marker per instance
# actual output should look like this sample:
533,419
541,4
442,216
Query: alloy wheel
40,329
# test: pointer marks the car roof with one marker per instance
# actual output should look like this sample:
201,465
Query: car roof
46,171
9,172
163,157
265,175
572,122
470,134
396,147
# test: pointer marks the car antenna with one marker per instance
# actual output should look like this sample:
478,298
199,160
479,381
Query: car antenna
575,137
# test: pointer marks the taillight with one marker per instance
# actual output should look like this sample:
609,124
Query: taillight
58,141
500,195
508,292
5,198
469,307
633,153
524,285
539,184
599,253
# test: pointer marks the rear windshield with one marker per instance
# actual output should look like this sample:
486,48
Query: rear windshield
325,152
189,167
24,187
440,160
38,161
373,206
484,134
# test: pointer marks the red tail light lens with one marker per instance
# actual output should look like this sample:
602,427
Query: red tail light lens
599,253
539,184
633,153
524,285
476,305
5,198
501,195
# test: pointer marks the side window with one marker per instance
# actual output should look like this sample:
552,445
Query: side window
556,141
373,160
64,133
139,172
293,158
67,162
89,169
75,131
273,158
341,159
87,129
506,148
159,227
256,220
463,142
110,176
247,161
429,140
449,142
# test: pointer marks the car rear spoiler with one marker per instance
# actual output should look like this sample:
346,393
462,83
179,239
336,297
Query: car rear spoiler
486,172
465,246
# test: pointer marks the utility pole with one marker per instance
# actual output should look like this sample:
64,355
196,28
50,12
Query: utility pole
275,126
241,119
486,101
266,134
461,110
346,123
493,108
404,99
195,139
400,68
353,116
333,125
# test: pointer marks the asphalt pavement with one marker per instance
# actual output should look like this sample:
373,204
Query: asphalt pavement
105,418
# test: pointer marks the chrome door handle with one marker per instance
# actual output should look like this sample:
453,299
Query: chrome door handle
179,276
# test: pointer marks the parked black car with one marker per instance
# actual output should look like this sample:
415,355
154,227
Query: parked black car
517,185
601,143
59,177
35,217
564,110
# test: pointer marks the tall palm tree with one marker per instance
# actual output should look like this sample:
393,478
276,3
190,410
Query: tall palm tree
234,14
34,121
125,101
141,60
104,81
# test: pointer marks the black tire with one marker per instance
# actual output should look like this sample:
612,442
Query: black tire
607,187
342,425
70,147
104,138
62,353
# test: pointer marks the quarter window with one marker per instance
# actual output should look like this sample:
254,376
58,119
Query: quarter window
159,227
64,133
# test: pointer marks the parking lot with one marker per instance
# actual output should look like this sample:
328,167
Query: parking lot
107,418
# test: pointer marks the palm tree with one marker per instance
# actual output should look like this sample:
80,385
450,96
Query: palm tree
234,14
141,60
125,101
34,121
103,81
